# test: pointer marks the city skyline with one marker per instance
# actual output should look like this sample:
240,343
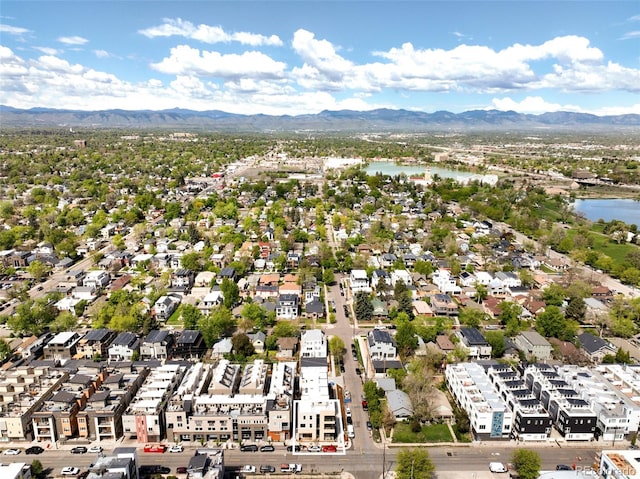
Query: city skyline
302,57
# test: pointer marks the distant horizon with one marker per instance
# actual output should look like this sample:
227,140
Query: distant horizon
298,57
41,108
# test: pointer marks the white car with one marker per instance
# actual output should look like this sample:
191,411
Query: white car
314,449
70,471
95,449
12,452
248,468
176,448
497,467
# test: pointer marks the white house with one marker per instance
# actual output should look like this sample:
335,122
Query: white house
165,306
96,279
381,345
313,344
401,275
359,281
288,306
445,282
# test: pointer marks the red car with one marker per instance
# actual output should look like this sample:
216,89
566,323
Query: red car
365,405
329,448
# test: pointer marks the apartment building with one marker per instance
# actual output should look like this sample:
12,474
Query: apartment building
618,414
316,415
62,346
23,390
359,281
471,387
123,347
144,419
158,344
57,416
572,416
531,421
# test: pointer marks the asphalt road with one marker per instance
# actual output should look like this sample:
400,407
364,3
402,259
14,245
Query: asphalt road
363,465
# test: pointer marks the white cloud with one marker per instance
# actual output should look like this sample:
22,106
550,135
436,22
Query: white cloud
631,35
531,104
208,33
47,50
101,53
185,60
75,40
320,56
12,30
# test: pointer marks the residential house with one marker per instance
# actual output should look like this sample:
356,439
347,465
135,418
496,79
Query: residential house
182,280
475,343
96,279
62,346
223,347
595,348
165,307
95,343
443,305
380,310
287,348
380,280
287,306
359,281
399,404
123,347
190,345
314,309
313,344
381,345
533,345
158,344
258,340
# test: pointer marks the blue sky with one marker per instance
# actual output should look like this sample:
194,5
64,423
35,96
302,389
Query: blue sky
298,57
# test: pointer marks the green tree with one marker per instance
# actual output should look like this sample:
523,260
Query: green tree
231,292
242,345
406,337
285,329
576,309
38,270
363,307
218,324
37,469
336,346
256,314
497,342
527,463
328,276
554,294
472,317
552,323
191,261
190,316
414,463
5,350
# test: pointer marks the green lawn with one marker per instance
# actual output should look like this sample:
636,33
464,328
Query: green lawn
433,433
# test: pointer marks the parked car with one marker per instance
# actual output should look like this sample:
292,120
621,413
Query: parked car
349,420
248,468
267,448
497,467
314,449
70,471
563,467
96,449
34,450
78,450
358,372
181,470
329,448
265,468
249,448
369,426
295,448
365,406
176,448
12,452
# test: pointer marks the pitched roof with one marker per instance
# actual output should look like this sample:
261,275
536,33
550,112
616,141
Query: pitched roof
592,344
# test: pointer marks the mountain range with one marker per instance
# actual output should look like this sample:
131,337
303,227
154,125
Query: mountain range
343,120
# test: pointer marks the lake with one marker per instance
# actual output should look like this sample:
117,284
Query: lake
609,209
392,169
